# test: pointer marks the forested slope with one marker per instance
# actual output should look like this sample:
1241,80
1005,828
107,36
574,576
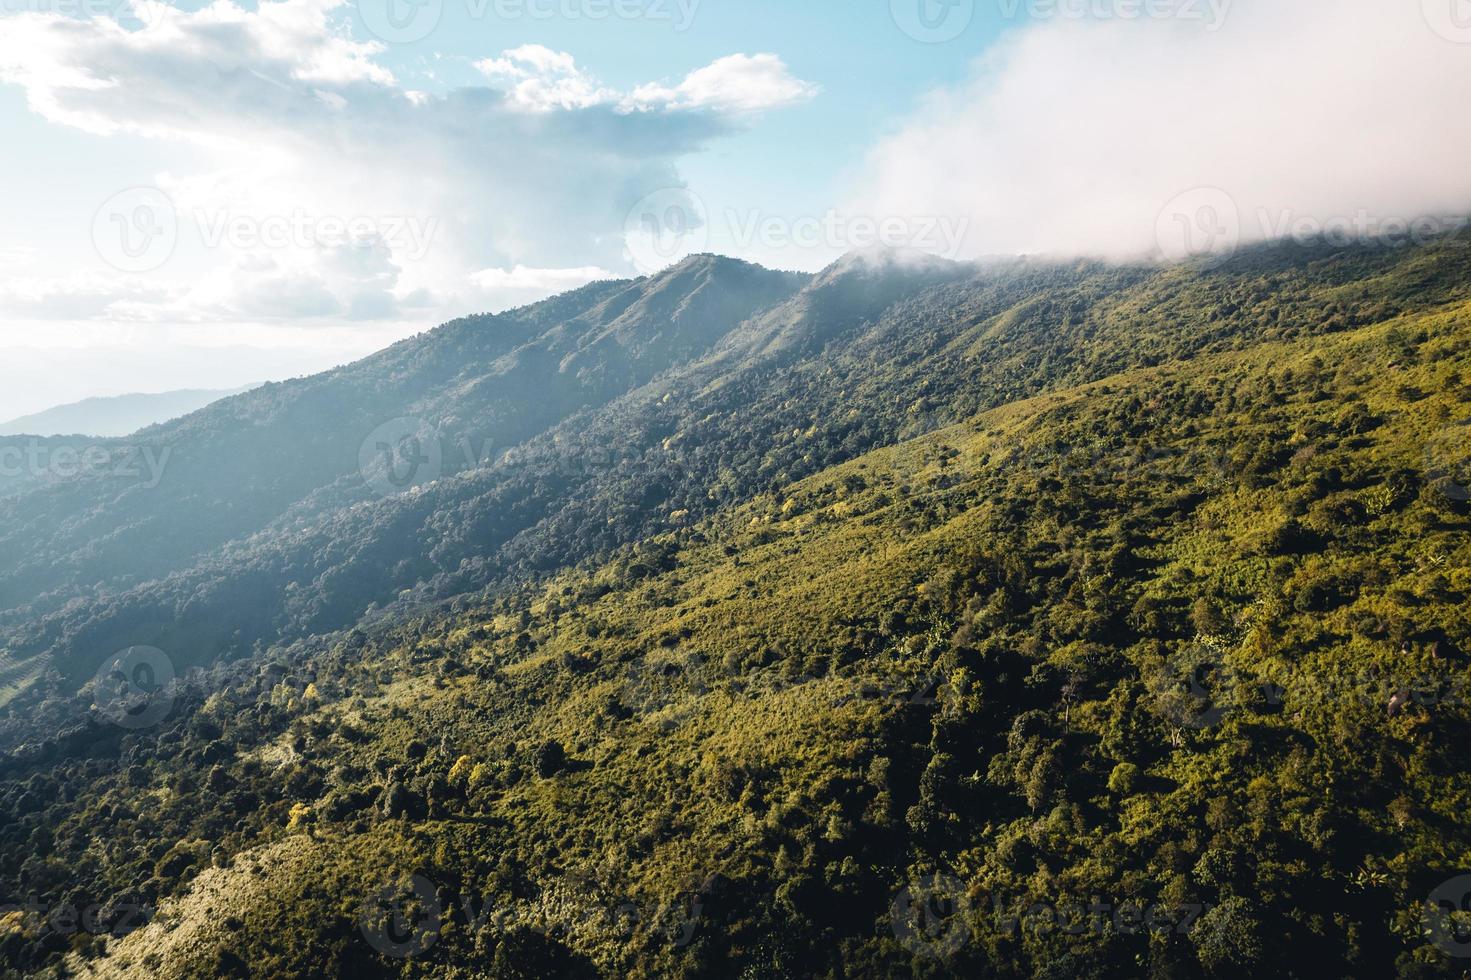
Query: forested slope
743,381
1077,592
86,559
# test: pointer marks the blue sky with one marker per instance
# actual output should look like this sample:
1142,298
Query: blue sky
870,75
858,70
207,196
867,74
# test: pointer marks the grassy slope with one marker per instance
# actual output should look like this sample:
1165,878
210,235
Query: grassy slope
735,700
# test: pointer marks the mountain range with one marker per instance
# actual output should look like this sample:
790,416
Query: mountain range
115,415
714,622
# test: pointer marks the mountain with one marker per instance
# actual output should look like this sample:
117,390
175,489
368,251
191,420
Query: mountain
252,521
114,416
730,622
274,470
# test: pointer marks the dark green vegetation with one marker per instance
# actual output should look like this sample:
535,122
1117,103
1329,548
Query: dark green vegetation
1033,587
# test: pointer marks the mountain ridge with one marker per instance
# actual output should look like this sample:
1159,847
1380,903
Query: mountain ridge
125,414
589,475
954,665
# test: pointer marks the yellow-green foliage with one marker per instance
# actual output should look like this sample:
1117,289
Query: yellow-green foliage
970,653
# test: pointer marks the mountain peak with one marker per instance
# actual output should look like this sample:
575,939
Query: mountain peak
885,260
701,262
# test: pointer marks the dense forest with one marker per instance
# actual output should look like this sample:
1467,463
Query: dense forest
1013,620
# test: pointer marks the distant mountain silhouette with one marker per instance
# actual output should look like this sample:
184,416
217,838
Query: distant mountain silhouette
118,415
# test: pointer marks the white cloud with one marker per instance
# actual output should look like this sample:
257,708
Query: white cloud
352,281
529,61
737,83
556,280
16,255
496,290
192,74
1074,135
77,297
540,79
537,170
502,289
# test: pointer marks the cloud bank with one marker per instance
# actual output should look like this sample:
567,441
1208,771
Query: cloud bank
1106,136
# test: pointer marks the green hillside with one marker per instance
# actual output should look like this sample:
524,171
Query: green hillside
581,424
1016,622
